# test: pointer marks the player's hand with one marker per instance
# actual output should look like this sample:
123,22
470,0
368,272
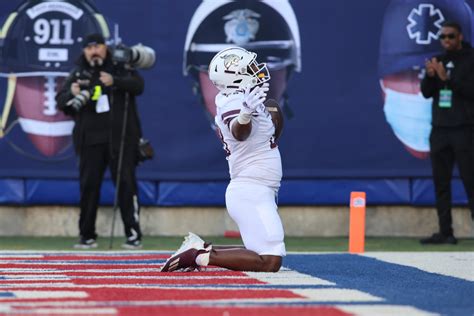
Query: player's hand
254,98
106,79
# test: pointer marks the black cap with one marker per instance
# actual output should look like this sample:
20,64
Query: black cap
93,39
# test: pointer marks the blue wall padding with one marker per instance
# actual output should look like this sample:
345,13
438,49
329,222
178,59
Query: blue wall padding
191,193
66,192
423,192
337,192
12,191
292,192
147,192
45,191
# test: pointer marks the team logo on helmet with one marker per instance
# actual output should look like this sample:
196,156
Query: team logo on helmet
425,23
242,26
230,60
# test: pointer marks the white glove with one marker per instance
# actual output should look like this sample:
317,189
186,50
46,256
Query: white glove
252,99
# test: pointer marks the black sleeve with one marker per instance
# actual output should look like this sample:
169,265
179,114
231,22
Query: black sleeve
131,82
64,95
464,86
429,86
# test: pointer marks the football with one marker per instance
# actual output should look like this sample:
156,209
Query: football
48,128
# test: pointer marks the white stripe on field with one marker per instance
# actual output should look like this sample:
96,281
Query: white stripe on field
386,310
33,277
336,295
312,295
37,285
215,303
454,264
288,277
44,294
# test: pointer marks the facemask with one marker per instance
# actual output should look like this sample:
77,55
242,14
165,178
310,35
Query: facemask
409,115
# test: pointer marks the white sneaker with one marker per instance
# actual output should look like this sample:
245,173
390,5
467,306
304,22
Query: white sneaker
86,244
132,244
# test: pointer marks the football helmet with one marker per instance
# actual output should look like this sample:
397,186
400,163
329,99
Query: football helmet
235,68
268,28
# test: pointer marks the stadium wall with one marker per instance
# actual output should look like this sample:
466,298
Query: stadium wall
397,207
324,221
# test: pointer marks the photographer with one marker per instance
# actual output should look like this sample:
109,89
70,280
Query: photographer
96,94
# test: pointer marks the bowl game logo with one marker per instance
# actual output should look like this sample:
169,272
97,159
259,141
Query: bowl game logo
358,202
39,42
241,27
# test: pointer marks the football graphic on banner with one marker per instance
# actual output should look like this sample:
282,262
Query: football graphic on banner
40,43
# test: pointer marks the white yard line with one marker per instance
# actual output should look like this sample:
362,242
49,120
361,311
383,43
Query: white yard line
454,264
288,277
385,310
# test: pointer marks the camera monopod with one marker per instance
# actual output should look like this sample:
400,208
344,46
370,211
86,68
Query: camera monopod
119,168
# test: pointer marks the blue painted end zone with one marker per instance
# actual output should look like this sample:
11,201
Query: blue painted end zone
396,284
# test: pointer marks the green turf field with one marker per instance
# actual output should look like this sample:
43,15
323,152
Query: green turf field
292,243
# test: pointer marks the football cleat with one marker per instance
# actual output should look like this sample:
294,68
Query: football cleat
184,257
185,260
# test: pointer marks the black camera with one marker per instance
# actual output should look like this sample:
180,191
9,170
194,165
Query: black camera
79,100
137,56
87,84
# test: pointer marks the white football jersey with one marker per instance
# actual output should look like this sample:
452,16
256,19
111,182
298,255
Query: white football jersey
256,159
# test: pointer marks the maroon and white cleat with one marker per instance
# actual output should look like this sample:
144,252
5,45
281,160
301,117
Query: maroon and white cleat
185,257
185,260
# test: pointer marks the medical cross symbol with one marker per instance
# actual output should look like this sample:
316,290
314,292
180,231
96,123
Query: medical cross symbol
425,23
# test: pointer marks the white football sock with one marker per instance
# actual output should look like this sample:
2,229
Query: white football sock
203,259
